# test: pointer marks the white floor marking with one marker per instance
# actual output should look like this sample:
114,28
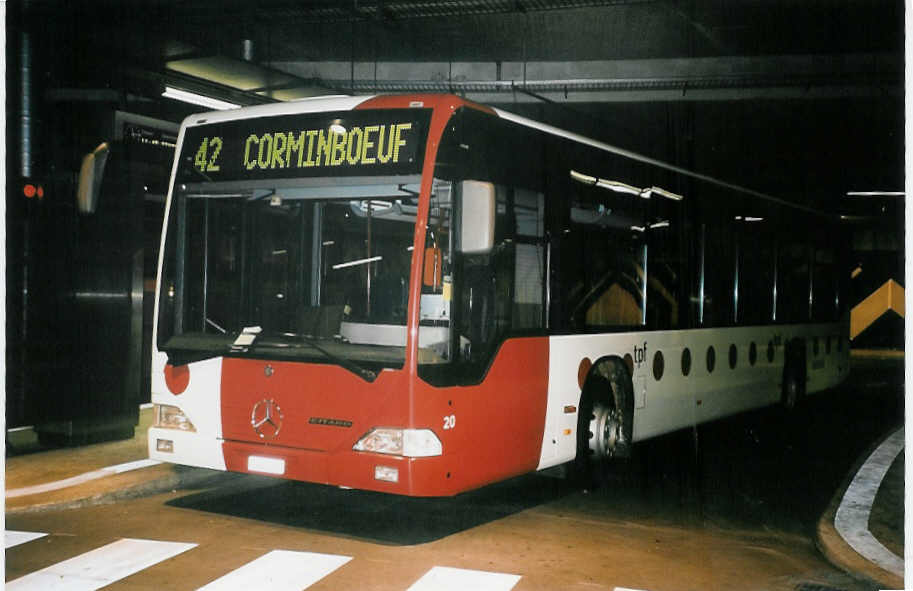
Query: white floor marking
852,518
443,578
79,479
58,484
279,570
128,466
14,538
100,567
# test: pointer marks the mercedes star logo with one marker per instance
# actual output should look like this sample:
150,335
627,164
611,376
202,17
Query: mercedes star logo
266,418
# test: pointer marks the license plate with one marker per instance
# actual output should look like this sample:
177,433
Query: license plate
265,465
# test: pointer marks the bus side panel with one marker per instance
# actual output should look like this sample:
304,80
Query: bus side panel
671,402
828,359
489,431
668,396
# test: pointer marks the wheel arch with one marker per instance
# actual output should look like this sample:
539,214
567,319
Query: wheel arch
795,367
598,389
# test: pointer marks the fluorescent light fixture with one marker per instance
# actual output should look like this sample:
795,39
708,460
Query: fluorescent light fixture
662,193
377,206
620,187
657,225
358,262
583,178
197,99
875,193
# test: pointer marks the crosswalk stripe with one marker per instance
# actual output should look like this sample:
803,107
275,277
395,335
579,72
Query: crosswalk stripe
279,570
14,538
100,567
443,578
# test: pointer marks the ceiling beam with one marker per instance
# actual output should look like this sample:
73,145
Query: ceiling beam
711,78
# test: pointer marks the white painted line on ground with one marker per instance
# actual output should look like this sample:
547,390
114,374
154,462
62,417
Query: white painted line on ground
14,538
852,518
80,478
100,567
279,570
126,467
58,484
443,578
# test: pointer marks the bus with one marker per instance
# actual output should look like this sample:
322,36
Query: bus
421,295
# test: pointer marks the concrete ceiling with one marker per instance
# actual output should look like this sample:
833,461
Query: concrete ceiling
811,88
574,50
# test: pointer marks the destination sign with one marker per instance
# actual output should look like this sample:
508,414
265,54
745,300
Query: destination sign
363,143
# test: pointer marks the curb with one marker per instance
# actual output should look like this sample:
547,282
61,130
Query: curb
837,551
153,480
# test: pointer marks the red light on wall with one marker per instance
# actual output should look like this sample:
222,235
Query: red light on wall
31,191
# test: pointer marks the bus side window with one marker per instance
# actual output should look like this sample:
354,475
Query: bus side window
793,282
719,274
824,286
756,269
665,265
529,261
502,291
603,260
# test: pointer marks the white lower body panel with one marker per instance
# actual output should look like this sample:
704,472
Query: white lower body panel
189,449
665,399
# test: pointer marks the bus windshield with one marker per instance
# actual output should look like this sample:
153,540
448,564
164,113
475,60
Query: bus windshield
308,269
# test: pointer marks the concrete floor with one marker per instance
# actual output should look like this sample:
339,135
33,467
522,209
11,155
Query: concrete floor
567,540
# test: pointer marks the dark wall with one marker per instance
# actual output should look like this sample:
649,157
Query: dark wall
73,341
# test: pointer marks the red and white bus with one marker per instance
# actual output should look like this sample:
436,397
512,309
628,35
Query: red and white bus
421,295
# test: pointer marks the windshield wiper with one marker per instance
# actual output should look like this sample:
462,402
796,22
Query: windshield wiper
178,357
348,364
181,355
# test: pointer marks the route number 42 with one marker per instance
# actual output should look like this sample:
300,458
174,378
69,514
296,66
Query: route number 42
207,157
449,422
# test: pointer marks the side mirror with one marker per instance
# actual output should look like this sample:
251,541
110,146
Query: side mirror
477,221
90,175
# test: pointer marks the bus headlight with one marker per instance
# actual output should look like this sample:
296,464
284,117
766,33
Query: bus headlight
171,417
412,443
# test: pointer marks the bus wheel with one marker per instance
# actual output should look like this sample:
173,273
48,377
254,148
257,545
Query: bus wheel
793,374
605,419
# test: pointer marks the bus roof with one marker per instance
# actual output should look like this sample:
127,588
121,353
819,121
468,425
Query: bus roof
346,103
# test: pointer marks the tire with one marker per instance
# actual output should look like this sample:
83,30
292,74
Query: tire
794,371
605,421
